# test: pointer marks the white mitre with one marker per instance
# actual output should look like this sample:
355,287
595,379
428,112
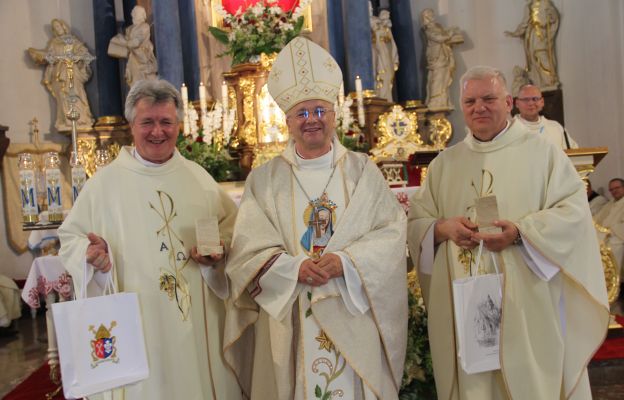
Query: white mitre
303,71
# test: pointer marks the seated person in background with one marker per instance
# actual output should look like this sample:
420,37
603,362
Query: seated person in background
595,199
10,306
611,216
530,102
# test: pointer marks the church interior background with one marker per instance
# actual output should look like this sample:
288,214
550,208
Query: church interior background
589,51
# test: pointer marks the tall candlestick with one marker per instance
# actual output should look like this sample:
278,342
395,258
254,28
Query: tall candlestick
186,122
358,86
224,96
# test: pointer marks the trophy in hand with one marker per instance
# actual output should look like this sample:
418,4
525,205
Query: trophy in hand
208,240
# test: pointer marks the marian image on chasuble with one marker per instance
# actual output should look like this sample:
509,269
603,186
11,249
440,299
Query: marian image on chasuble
147,217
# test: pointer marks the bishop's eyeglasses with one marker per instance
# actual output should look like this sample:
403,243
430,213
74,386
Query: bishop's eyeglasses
304,115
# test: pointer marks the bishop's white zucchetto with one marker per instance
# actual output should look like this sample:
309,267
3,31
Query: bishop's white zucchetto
303,71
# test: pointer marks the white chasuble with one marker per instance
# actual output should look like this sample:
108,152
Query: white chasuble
147,216
341,340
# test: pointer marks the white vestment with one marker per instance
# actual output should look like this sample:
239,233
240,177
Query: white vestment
596,203
299,332
147,217
611,216
10,305
551,325
551,130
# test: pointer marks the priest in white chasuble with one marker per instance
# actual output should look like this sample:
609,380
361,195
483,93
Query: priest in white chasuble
611,216
553,295
319,294
135,219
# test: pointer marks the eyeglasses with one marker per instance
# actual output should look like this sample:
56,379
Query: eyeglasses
527,99
304,115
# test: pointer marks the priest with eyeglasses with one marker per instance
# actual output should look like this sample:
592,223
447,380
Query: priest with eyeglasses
317,266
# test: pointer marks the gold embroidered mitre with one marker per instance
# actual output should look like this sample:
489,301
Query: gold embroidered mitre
303,71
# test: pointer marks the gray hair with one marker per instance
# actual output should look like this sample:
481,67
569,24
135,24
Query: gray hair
157,91
528,85
481,72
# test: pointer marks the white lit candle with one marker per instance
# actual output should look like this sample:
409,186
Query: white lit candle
202,96
360,101
184,92
224,95
341,95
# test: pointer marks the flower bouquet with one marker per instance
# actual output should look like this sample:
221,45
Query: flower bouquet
347,129
262,28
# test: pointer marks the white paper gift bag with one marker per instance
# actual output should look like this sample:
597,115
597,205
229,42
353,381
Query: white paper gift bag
100,342
477,307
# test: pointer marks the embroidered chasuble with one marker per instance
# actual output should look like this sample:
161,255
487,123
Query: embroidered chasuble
147,217
551,326
331,341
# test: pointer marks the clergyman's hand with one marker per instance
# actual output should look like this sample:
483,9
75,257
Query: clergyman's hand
97,253
457,229
330,263
311,274
497,241
211,259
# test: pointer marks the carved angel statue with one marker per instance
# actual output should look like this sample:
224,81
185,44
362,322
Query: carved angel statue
539,29
385,54
136,46
67,70
440,61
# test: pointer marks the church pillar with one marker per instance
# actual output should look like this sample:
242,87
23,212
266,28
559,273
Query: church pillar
107,68
190,50
335,30
168,41
358,45
407,77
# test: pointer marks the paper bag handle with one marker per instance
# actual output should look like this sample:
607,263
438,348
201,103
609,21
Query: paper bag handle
500,283
109,287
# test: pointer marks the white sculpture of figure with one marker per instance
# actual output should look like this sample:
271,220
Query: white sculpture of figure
440,61
136,46
538,29
385,54
67,70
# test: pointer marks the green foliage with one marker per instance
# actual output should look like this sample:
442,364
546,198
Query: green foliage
418,382
218,162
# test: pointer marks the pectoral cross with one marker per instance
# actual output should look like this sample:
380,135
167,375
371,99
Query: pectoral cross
316,222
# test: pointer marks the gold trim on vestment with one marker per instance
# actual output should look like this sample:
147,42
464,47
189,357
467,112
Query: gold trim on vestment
301,350
212,381
349,362
236,296
583,289
383,341
450,264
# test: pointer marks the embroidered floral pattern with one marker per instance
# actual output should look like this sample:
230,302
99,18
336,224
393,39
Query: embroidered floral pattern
329,370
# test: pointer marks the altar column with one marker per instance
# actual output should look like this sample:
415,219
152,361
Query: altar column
168,41
190,50
408,75
358,45
107,68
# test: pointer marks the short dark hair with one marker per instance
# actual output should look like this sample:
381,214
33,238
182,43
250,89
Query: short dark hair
617,180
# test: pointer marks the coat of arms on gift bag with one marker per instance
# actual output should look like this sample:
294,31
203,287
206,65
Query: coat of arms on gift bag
103,347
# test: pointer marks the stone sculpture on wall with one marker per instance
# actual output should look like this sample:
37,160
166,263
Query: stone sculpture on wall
385,54
538,30
440,61
136,46
67,70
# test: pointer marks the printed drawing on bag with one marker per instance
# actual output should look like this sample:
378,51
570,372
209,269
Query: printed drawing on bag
103,346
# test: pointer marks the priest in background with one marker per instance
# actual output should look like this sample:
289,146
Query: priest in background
317,265
554,302
135,219
530,103
595,199
611,216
